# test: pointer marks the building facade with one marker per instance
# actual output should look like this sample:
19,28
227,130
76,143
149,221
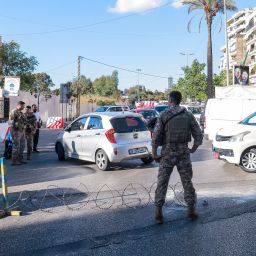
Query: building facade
242,42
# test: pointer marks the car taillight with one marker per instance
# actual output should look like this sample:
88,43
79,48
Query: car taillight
110,134
204,122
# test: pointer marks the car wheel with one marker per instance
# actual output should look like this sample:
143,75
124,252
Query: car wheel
248,160
101,160
147,160
60,152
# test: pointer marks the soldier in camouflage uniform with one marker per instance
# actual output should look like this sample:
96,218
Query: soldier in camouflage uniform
173,132
17,123
30,129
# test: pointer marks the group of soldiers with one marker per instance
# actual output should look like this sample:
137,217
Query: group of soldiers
23,127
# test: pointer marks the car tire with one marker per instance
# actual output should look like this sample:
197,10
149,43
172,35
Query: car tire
248,160
60,152
101,160
147,160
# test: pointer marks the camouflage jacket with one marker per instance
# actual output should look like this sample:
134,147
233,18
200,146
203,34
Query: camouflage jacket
30,122
175,134
17,120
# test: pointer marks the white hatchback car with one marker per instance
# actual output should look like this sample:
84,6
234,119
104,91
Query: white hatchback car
237,144
105,138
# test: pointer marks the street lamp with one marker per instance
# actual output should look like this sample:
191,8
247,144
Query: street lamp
186,54
138,71
226,35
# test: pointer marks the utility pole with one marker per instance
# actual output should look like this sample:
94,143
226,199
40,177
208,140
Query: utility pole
138,70
78,86
227,48
1,61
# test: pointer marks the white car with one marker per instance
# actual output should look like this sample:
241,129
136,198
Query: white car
112,109
105,138
237,144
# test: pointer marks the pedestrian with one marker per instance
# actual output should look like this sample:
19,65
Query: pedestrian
38,126
173,132
17,123
30,129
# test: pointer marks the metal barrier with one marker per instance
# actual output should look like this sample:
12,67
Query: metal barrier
6,211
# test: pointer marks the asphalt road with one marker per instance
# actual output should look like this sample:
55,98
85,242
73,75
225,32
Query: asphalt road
71,208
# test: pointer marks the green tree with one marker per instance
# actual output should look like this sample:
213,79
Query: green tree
211,8
221,78
194,83
41,87
16,63
82,86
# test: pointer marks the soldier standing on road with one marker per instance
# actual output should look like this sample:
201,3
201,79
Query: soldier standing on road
173,132
38,126
30,129
17,122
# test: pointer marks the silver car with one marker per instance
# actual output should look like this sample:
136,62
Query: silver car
105,138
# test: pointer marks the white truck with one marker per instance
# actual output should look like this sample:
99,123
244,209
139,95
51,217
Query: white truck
231,105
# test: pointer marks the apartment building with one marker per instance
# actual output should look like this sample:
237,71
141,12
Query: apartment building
242,41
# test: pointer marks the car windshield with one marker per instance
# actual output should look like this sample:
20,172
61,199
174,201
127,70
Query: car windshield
194,110
128,124
250,120
159,109
101,109
148,114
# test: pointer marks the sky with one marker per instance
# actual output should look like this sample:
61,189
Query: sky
130,34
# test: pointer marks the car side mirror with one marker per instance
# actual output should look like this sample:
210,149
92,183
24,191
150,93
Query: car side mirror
68,129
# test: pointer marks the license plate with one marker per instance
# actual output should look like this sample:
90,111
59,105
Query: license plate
216,155
135,151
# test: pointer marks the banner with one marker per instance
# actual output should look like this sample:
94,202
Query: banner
241,75
4,131
11,86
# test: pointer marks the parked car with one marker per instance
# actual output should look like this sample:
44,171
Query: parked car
237,144
195,110
112,109
105,138
161,108
147,113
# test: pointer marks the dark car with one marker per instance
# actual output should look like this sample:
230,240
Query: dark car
147,114
161,108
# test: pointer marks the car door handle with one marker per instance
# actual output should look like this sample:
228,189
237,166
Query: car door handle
97,133
78,136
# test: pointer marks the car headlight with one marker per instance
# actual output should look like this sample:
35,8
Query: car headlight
239,137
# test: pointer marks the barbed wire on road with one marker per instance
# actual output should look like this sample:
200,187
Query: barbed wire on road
54,198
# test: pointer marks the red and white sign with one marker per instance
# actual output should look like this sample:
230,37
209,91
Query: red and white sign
146,104
55,122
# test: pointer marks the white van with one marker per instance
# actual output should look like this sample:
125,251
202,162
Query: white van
221,113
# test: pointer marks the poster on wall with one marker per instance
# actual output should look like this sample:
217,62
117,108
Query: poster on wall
241,75
11,86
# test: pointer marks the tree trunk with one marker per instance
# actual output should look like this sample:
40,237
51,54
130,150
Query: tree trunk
210,87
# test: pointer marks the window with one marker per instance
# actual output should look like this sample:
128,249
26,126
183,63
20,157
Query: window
95,123
251,120
128,124
101,109
79,124
115,109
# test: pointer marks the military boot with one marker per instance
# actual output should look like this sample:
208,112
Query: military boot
29,156
192,214
15,162
22,160
159,215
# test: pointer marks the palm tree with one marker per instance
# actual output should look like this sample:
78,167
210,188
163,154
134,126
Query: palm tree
211,9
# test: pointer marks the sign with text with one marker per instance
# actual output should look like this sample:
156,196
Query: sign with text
11,86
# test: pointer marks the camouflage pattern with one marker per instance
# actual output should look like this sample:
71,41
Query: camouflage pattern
174,137
30,128
17,124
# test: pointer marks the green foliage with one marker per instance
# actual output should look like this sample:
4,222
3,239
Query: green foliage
194,83
105,103
16,63
82,86
107,86
221,78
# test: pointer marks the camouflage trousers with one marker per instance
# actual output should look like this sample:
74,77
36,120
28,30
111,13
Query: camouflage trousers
29,138
184,167
18,138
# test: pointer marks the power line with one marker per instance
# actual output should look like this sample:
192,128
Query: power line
88,25
124,69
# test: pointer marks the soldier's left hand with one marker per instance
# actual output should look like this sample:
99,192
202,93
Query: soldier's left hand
156,158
